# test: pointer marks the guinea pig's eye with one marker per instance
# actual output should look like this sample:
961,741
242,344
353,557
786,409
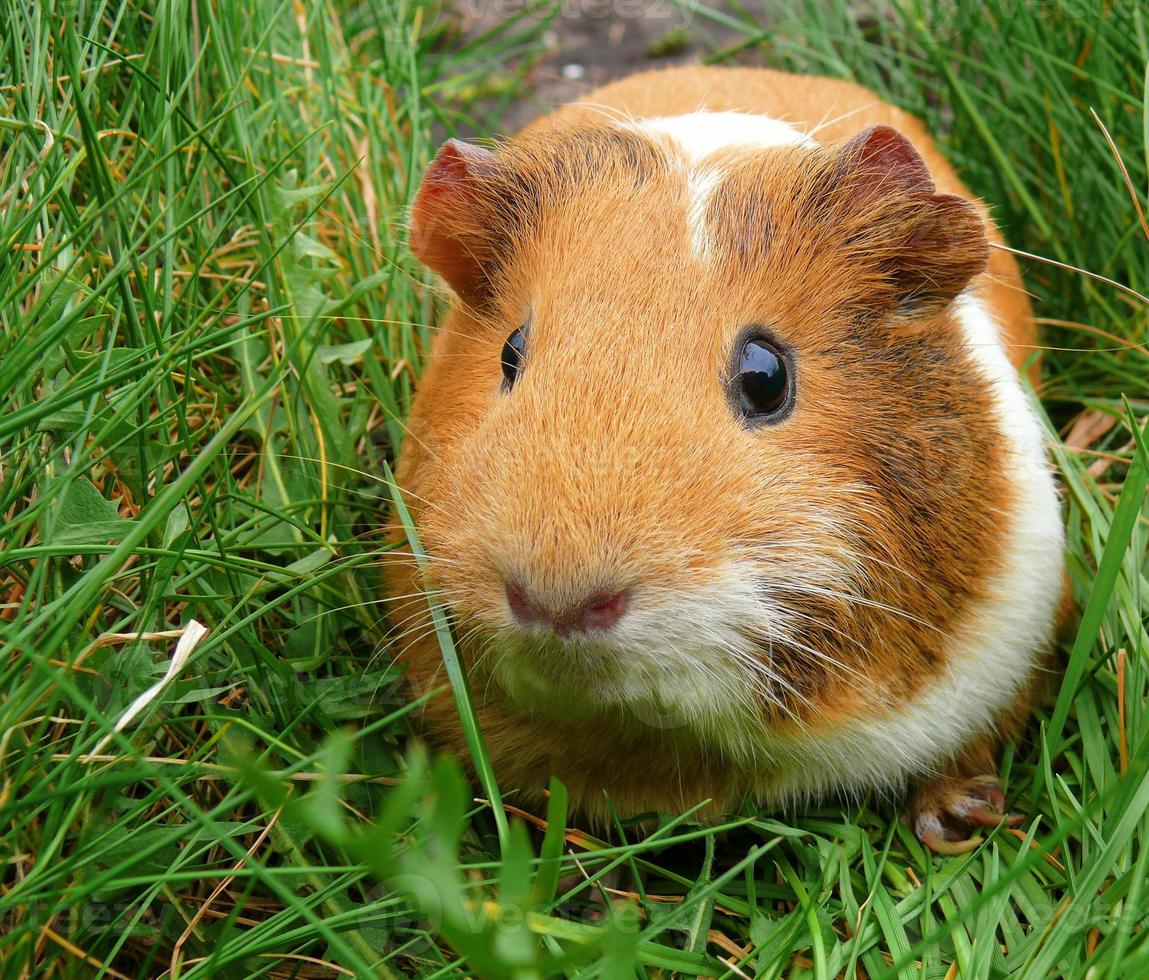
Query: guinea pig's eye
514,350
761,390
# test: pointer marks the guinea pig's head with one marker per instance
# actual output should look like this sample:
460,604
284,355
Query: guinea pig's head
700,440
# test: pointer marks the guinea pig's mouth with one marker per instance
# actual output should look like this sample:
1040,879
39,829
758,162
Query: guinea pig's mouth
536,666
673,660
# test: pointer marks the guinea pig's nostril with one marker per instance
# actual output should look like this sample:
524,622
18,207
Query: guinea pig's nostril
601,612
525,611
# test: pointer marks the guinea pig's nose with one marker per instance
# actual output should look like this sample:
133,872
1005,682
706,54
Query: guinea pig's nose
599,611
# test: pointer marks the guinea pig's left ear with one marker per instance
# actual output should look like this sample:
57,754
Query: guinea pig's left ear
928,246
448,231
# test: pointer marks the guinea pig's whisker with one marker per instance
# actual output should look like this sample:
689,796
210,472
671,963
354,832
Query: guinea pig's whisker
433,682
410,629
762,671
735,695
414,610
399,631
429,504
363,604
852,599
823,625
826,658
464,639
422,608
378,652
609,112
382,600
428,556
406,559
891,566
486,650
366,474
765,686
826,120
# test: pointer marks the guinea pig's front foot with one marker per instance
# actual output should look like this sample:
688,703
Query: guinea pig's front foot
945,813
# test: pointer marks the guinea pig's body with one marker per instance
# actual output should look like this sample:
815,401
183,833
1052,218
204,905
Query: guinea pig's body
722,459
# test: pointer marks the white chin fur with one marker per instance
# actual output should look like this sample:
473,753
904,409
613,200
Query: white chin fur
686,661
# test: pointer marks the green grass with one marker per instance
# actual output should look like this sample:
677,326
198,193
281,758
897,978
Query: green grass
209,332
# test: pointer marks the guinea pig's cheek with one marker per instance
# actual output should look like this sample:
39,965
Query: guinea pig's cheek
458,570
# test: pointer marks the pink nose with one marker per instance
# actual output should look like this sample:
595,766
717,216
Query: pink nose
599,611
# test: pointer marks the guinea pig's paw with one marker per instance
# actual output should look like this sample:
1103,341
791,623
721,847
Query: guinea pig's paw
945,812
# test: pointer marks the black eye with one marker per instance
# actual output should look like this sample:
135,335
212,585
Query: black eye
514,350
761,389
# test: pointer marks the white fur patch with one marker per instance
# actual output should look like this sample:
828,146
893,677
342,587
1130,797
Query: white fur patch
698,136
993,653
702,134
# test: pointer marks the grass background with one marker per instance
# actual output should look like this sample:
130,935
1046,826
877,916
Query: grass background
209,332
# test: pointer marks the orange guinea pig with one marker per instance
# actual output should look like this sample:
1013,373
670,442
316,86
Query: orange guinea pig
722,460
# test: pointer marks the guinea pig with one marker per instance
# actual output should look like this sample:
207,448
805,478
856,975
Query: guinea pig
722,461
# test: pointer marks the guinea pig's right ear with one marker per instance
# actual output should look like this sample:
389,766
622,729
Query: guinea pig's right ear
448,233
926,246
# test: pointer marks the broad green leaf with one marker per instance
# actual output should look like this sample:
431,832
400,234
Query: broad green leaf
84,516
348,353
